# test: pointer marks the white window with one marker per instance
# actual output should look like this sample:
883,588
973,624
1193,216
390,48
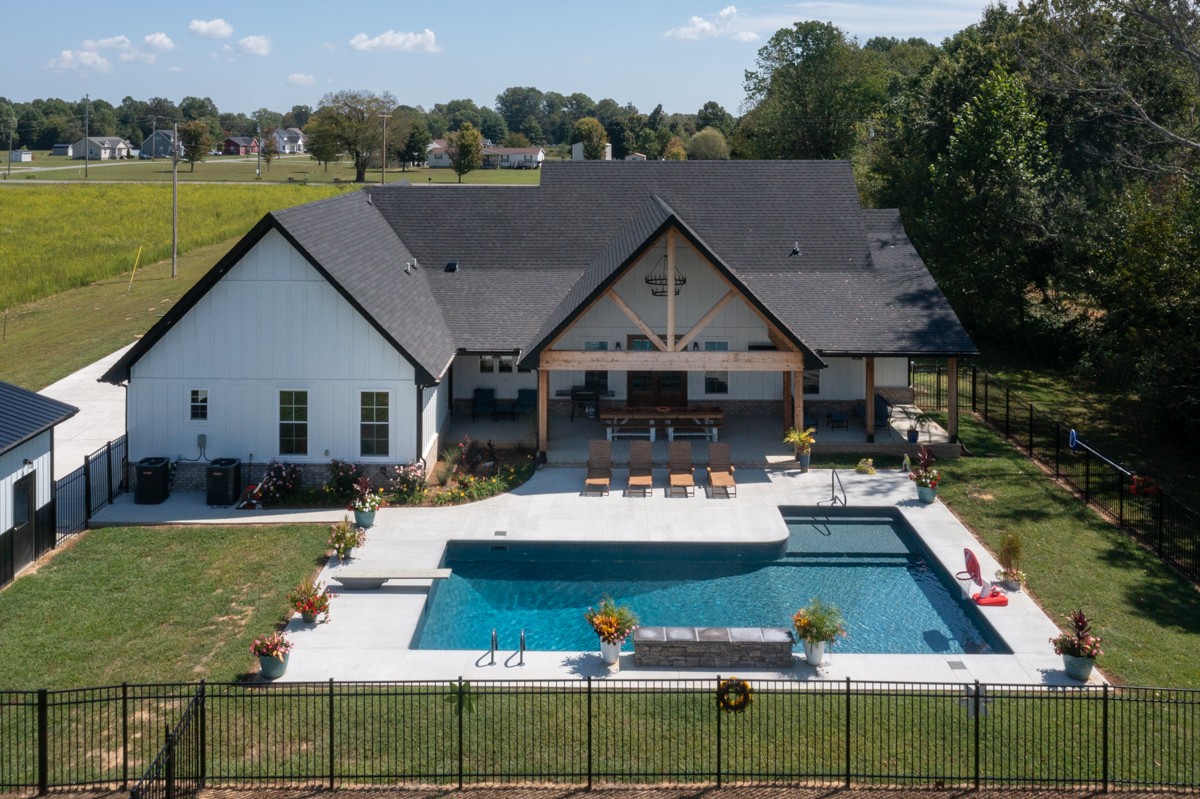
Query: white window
373,424
595,380
293,422
716,382
198,405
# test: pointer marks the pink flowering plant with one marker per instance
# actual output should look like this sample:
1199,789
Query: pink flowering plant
281,483
1078,641
366,499
923,474
275,645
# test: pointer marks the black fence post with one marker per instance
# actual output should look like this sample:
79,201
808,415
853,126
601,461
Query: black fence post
124,736
1104,738
202,743
170,776
589,732
43,735
1161,514
1087,475
717,705
974,386
937,378
332,754
87,488
108,470
1121,488
977,702
848,731
460,732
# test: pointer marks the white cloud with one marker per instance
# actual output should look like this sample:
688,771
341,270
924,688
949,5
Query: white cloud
138,57
409,42
726,23
111,43
300,79
80,61
256,45
160,42
175,69
211,29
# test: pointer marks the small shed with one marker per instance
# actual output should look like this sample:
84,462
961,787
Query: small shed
27,519
63,149
20,156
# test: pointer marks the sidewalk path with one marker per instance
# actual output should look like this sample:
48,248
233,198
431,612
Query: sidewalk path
101,416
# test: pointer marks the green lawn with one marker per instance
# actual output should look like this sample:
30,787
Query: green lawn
232,169
161,604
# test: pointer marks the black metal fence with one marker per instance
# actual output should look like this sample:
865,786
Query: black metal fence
583,732
96,483
1134,501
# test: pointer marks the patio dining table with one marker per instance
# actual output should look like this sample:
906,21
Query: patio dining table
698,421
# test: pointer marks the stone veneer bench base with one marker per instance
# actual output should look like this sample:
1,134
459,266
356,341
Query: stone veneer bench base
713,647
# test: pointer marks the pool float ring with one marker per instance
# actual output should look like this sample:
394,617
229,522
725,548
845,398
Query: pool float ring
989,595
734,695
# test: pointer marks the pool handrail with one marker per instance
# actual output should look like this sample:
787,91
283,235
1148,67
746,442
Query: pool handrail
835,483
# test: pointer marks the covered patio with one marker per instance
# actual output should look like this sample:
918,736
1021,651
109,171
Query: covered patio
754,441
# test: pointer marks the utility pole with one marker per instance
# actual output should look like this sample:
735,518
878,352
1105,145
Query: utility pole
383,162
87,145
258,141
175,202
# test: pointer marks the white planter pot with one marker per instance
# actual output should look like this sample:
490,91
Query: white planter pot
814,652
610,652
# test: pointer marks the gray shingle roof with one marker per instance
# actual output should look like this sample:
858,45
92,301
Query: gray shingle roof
530,257
25,414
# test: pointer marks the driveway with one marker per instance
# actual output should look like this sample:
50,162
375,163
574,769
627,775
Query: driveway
101,416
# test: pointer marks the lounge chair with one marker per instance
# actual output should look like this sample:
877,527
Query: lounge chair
720,471
680,469
526,401
484,401
599,468
641,475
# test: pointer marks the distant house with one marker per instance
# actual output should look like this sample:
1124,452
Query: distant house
159,145
63,149
289,141
439,157
513,157
239,145
577,152
636,157
27,523
20,156
102,148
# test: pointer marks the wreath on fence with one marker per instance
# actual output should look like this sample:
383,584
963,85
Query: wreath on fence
734,695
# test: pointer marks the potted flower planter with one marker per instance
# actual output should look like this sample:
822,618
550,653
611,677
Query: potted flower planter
611,653
926,494
803,459
814,652
364,518
271,667
1078,668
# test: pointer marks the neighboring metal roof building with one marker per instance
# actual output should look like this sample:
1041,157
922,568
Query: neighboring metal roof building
25,414
837,278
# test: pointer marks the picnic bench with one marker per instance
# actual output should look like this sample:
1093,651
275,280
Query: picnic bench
646,422
364,579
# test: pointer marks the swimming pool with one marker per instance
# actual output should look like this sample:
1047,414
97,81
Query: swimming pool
874,567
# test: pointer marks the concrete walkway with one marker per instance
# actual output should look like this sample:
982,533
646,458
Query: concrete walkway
101,416
369,632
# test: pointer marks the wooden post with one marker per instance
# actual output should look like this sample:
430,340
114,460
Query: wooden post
870,415
543,410
671,290
797,400
788,400
952,399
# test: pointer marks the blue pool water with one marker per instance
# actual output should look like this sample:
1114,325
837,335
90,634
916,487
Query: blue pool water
872,567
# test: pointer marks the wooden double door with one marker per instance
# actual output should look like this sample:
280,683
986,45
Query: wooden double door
653,389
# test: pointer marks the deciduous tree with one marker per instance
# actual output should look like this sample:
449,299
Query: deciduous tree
349,121
465,148
589,131
196,141
708,145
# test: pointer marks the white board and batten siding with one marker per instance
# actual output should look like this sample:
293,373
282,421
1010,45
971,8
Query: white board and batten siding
13,468
271,324
435,415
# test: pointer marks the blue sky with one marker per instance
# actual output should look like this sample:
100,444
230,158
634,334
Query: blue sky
245,56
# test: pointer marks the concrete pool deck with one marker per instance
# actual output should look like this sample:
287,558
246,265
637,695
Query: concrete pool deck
368,635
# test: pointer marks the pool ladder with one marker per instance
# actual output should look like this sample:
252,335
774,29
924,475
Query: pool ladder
835,485
495,645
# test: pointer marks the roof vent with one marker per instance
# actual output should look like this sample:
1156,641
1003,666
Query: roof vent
452,266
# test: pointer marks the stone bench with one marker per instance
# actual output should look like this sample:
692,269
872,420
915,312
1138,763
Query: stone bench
368,579
713,647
